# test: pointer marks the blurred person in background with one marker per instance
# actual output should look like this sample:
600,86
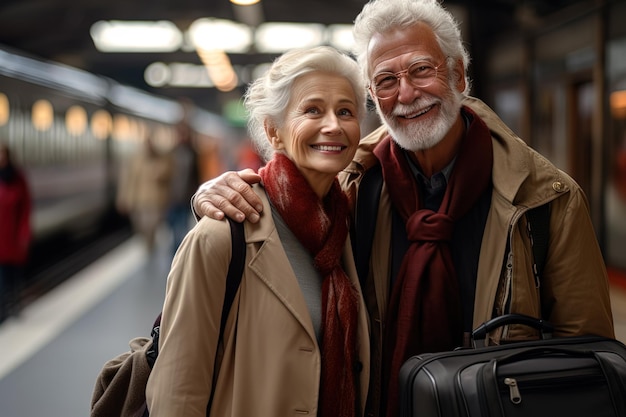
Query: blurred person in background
185,179
15,232
144,191
299,343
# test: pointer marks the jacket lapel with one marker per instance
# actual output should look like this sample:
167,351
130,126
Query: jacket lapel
270,264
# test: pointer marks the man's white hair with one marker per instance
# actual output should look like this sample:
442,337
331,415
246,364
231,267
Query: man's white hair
379,16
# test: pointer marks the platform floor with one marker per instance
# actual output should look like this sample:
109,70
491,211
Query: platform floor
51,354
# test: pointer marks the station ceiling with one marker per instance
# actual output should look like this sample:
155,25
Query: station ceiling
58,30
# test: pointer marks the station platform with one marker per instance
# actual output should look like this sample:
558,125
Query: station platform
51,354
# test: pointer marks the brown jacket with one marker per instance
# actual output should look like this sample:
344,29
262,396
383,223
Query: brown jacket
574,291
271,361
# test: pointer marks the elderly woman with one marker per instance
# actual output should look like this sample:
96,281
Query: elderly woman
296,340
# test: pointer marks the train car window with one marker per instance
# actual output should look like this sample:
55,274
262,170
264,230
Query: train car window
42,115
4,109
101,124
121,127
76,120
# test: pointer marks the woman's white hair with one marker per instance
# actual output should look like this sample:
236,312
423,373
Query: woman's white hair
267,98
379,16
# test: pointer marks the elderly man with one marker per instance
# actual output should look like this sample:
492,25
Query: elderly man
451,247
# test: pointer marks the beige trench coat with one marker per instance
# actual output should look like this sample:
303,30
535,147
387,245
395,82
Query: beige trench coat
271,360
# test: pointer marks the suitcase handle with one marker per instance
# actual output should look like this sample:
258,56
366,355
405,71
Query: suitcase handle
480,333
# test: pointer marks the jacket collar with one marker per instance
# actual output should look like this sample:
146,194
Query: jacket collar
520,174
262,230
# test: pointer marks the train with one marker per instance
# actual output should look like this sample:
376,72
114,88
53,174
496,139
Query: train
71,131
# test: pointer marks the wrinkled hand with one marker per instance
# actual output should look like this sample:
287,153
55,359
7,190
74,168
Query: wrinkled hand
229,194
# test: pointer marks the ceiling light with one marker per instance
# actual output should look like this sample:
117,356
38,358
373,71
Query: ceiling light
219,69
244,2
157,74
340,36
136,36
278,37
220,34
177,74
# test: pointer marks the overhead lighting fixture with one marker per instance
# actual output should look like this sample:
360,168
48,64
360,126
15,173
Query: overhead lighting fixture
177,74
220,34
136,36
219,69
278,37
340,36
244,2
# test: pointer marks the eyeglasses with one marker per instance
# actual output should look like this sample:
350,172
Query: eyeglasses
419,74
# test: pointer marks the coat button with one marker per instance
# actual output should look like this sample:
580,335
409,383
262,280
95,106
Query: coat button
558,186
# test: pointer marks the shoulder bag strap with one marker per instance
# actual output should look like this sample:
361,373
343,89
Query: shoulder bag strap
538,220
368,199
233,279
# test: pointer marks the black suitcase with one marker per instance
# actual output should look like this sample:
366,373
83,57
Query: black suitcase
575,376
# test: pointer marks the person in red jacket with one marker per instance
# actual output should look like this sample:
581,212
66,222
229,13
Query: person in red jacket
15,231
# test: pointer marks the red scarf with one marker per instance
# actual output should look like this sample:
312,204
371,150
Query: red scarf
322,228
424,312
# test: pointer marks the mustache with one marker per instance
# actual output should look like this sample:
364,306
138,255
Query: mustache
418,105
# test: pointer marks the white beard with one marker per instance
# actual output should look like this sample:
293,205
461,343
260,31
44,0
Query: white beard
421,135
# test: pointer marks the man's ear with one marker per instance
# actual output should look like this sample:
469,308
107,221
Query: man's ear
272,135
460,71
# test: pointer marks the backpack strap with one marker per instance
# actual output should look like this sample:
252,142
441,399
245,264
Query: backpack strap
538,223
235,268
368,199
233,279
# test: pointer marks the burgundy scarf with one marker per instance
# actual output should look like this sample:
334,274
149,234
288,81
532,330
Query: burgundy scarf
322,227
424,312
